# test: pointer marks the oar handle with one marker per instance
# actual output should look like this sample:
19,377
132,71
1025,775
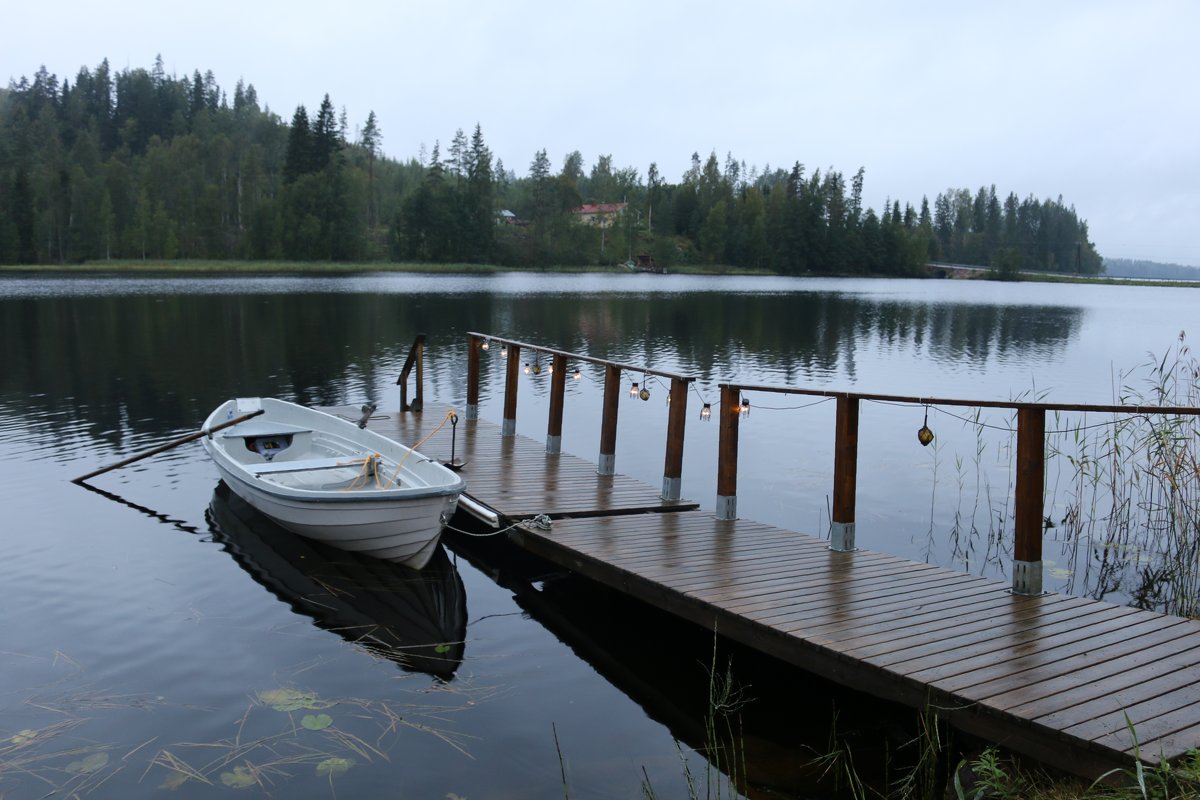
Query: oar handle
191,437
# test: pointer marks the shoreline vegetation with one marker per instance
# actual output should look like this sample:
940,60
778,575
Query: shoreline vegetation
141,164
328,268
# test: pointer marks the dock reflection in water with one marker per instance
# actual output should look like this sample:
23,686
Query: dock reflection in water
416,618
763,725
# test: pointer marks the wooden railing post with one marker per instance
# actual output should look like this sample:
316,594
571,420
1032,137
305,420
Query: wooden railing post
727,452
676,424
558,390
608,423
845,474
474,343
508,426
416,355
418,402
1029,504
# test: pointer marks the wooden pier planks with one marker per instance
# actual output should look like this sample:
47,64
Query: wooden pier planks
513,475
1052,676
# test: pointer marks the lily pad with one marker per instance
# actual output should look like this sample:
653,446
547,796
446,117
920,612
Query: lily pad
23,737
292,700
240,778
316,722
90,764
334,766
175,780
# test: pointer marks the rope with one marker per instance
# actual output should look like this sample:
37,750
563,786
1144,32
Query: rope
449,416
369,470
541,522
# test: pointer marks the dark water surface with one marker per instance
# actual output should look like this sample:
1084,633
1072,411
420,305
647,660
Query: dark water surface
147,630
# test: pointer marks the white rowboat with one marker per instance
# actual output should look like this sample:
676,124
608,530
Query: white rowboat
323,477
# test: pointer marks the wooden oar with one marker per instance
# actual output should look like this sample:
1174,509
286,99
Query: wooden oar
162,448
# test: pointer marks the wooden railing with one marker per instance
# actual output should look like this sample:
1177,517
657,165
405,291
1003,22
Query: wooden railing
1030,466
559,361
416,356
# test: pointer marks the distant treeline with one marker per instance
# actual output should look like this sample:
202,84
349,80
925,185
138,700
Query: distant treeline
139,164
1131,268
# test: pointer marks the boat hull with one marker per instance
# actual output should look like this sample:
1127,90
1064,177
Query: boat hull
348,507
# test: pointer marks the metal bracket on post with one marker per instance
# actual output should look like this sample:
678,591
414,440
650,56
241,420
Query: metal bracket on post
672,487
553,445
726,507
841,537
607,465
472,413
1027,578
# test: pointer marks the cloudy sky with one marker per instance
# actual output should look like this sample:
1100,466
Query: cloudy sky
1093,100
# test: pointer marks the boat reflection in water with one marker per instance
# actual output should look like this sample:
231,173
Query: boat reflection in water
416,618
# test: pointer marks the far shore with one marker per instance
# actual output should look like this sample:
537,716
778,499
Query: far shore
211,267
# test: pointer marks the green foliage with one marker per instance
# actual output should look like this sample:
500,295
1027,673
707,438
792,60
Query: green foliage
141,165
1039,235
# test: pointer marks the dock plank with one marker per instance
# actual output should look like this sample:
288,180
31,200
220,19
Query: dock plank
1051,676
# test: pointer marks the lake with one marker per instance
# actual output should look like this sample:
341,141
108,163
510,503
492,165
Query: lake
159,639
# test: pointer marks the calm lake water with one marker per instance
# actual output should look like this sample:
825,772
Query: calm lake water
157,630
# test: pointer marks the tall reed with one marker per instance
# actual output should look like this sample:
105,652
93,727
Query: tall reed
1133,499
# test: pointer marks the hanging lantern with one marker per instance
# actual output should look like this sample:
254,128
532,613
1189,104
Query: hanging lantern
745,409
578,374
924,434
706,411
487,343
633,390
550,368
644,393
527,369
504,351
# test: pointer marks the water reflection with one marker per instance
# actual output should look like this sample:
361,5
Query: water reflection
418,619
158,362
721,699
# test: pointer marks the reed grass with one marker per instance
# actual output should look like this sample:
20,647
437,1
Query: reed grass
1133,494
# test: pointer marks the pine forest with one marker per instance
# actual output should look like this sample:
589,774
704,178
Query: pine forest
138,164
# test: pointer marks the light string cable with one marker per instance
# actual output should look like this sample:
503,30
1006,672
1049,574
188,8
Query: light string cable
976,421
818,402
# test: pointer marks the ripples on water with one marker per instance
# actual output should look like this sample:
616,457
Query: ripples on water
130,620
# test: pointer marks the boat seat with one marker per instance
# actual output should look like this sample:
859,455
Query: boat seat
306,465
257,428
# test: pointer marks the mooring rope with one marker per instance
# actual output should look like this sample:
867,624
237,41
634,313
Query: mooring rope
450,414
541,522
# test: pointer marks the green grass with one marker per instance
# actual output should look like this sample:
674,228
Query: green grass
160,266
220,267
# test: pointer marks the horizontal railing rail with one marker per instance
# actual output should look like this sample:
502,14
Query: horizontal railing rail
1029,491
559,360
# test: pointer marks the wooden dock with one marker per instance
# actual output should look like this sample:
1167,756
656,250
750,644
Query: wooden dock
1056,677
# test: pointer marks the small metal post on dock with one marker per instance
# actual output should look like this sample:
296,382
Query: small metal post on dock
727,452
508,426
676,424
608,423
845,475
558,391
474,344
1029,504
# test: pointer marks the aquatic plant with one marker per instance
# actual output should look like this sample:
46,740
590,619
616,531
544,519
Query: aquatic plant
1133,497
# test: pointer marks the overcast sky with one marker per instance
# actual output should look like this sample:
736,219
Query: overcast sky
1093,100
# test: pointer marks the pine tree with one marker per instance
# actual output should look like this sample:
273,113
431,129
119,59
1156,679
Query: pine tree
370,139
299,157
